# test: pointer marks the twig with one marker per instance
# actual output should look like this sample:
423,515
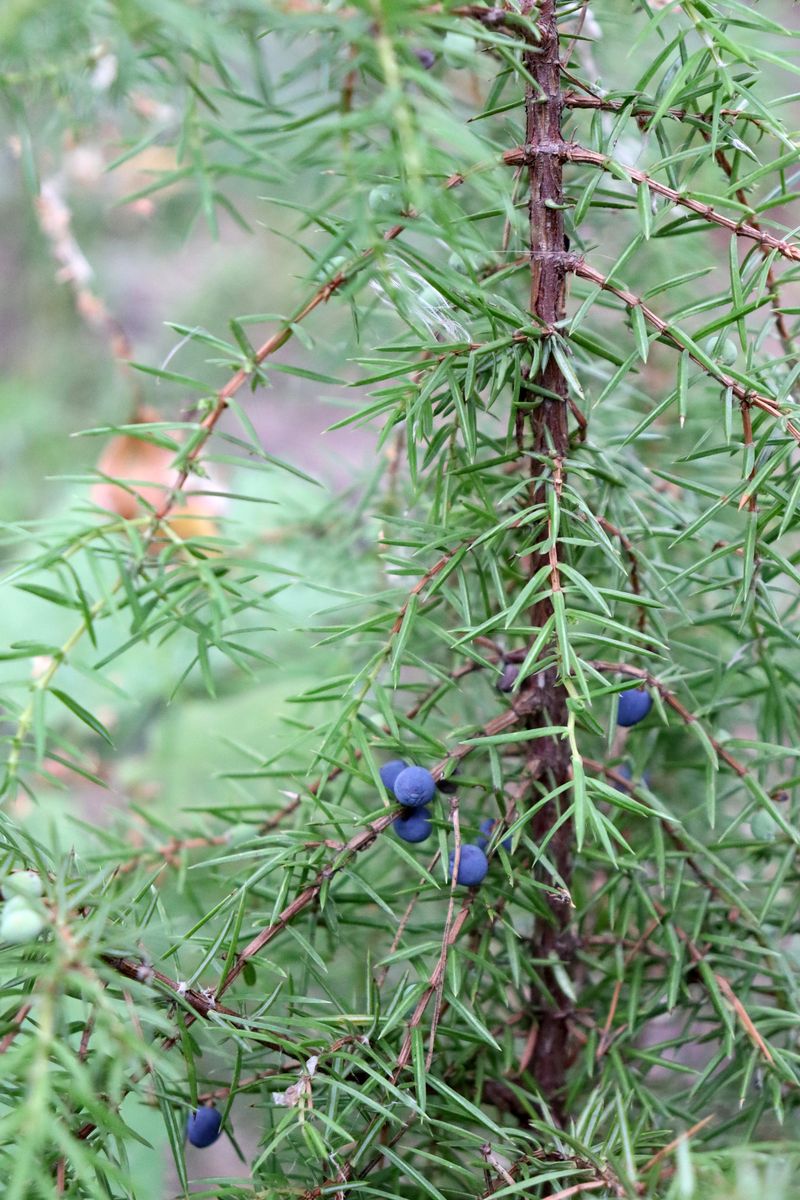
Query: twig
16,1024
83,1049
55,222
205,1001
632,953
202,1002
243,376
781,325
682,1137
433,983
169,851
698,956
576,1189
633,556
591,101
448,925
380,977
345,1172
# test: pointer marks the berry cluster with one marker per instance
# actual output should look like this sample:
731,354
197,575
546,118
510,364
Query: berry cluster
20,920
414,788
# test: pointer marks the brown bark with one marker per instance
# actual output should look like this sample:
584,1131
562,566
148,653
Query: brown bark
548,441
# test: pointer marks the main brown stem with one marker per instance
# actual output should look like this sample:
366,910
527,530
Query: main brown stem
548,437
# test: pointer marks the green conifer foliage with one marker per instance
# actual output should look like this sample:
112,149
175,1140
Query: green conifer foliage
541,256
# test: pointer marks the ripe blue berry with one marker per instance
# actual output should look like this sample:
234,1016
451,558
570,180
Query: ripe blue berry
472,866
202,1127
508,678
389,772
487,826
633,707
426,58
413,825
414,787
448,787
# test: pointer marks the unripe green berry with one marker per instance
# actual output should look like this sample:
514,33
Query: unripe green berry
727,353
429,297
456,263
23,883
458,48
385,201
332,267
240,833
19,925
763,827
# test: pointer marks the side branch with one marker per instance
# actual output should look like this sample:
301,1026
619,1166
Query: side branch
206,1000
630,300
571,152
603,104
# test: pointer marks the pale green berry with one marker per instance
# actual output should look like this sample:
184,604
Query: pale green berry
727,353
24,883
240,833
19,925
456,263
332,267
385,200
458,48
763,828
428,296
